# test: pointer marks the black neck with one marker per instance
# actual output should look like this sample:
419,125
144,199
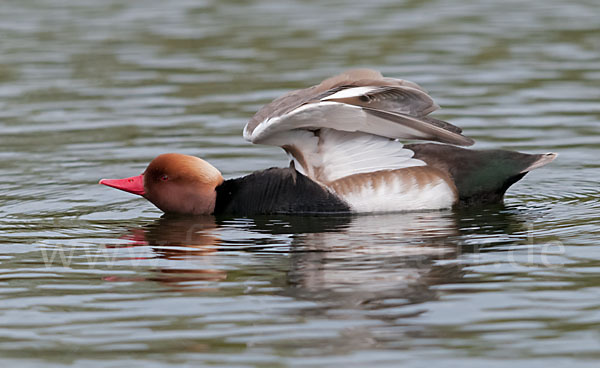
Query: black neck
276,191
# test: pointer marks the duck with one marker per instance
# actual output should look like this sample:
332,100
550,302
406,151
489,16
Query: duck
358,142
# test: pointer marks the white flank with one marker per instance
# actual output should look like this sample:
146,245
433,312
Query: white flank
400,194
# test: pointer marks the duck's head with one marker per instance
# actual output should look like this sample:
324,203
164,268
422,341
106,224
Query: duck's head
175,183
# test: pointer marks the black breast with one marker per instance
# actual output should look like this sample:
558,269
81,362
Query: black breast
276,191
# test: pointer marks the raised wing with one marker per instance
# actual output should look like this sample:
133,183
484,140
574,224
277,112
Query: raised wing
374,109
329,155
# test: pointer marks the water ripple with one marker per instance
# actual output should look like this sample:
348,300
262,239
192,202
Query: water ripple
93,277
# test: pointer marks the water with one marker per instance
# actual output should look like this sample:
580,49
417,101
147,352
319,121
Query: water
92,276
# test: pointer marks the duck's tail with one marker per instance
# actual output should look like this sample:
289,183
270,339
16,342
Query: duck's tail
539,160
480,176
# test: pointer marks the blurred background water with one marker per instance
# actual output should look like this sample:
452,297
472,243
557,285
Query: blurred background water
94,277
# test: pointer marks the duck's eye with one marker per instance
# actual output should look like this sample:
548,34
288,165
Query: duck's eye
164,178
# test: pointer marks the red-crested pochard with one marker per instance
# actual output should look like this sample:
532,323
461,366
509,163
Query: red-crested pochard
342,137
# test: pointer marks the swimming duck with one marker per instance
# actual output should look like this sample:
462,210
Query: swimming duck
343,137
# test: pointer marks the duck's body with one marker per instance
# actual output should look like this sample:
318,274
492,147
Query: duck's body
276,191
286,191
342,137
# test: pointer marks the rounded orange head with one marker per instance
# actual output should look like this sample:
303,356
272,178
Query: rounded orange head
175,183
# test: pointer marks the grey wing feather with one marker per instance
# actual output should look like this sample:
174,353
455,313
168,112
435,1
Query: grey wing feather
404,100
395,100
432,129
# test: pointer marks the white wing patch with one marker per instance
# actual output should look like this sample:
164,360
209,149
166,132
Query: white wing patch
350,92
330,154
344,154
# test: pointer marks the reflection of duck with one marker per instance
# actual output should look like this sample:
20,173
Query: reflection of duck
492,227
342,139
392,260
189,240
377,257
176,236
348,259
325,255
